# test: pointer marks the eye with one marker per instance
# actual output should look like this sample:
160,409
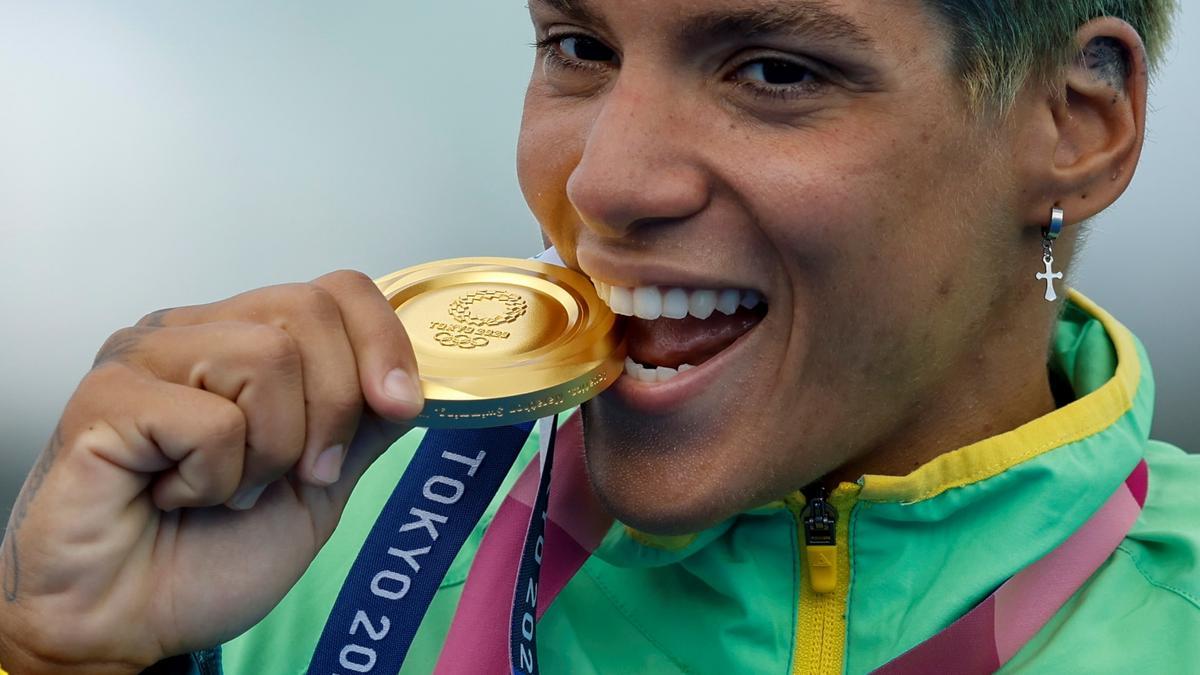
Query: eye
575,51
583,48
781,78
576,64
775,73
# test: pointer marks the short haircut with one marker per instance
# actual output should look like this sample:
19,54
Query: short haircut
1000,44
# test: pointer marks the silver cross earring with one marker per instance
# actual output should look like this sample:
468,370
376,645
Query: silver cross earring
1049,236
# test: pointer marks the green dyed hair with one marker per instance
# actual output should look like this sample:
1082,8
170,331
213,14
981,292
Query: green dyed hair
1000,44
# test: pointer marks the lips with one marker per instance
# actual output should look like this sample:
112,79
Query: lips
677,329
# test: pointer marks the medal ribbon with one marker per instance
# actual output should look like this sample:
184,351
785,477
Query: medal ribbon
522,642
980,642
989,635
435,506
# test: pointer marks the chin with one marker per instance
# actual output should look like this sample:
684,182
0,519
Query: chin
663,483
646,510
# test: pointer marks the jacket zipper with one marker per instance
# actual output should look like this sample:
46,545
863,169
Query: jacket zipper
823,526
819,522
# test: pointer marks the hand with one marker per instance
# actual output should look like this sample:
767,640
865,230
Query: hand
197,470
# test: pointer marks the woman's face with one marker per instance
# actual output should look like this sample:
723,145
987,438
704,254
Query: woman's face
819,155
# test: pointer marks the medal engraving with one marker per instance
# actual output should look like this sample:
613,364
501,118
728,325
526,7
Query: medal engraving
513,305
461,341
470,331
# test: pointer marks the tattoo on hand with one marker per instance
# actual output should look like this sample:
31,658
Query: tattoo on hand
155,319
1109,60
124,342
10,563
117,347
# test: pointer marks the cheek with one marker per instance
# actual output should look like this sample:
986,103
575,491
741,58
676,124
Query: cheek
872,210
535,179
548,150
871,244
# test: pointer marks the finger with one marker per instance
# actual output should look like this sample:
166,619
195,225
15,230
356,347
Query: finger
333,399
387,367
256,366
188,442
372,438
312,317
209,464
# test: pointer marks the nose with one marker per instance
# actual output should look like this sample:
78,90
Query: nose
639,165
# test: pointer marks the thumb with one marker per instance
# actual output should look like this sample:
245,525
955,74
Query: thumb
387,367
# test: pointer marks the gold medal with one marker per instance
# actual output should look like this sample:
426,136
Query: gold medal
501,341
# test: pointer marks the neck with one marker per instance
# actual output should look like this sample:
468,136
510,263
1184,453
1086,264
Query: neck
999,386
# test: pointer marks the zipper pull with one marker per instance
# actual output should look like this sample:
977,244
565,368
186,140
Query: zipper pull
820,542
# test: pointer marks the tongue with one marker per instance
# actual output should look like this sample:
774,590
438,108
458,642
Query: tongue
673,342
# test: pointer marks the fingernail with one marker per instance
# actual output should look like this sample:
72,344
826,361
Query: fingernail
328,467
400,386
246,498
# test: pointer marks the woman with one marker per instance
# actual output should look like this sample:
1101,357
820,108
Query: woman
890,190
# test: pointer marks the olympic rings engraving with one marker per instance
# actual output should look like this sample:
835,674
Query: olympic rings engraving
514,308
461,341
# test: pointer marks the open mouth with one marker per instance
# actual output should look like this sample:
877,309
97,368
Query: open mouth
673,330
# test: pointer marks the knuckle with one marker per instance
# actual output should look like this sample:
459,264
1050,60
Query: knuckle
336,409
119,346
227,426
312,300
107,387
344,402
273,460
273,346
155,319
213,487
103,380
352,279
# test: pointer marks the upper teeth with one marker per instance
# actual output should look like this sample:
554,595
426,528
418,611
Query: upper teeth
653,302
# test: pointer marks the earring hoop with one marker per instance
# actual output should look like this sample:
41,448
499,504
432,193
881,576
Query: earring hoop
1055,228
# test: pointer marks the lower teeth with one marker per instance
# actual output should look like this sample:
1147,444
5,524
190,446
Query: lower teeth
653,373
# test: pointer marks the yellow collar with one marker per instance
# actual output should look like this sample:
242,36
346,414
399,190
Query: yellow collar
1082,418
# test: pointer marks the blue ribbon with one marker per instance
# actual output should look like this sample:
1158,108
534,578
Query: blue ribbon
522,623
434,508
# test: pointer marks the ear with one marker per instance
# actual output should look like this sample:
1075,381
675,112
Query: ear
1089,132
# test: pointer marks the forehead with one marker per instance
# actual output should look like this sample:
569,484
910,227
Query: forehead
864,24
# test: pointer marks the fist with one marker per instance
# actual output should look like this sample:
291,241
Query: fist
196,472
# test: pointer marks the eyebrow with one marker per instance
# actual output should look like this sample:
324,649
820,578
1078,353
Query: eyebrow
812,19
576,9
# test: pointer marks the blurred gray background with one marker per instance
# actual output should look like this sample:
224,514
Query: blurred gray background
161,154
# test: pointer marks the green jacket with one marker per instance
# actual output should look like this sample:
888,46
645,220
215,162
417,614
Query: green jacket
914,553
